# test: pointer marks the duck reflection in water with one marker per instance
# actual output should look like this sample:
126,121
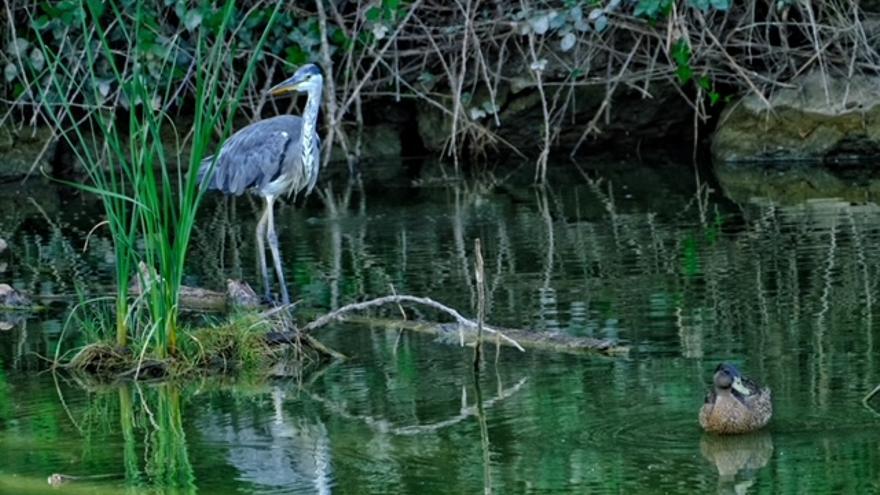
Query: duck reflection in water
737,458
735,404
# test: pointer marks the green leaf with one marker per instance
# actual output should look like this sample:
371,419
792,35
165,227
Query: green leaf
338,37
374,14
685,73
713,98
10,72
96,7
681,52
192,19
296,55
704,82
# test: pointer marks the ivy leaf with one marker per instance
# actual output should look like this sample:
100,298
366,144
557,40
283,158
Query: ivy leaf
567,42
681,53
685,73
374,14
10,72
540,24
702,5
192,19
18,47
379,31
37,59
705,83
601,24
296,55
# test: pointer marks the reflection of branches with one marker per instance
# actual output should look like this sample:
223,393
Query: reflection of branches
505,253
544,210
382,425
458,235
219,242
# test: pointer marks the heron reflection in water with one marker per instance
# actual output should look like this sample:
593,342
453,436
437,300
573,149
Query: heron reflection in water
272,157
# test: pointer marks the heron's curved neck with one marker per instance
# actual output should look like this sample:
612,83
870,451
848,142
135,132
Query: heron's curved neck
310,121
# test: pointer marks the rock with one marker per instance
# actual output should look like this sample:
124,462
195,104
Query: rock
11,298
22,147
794,183
803,123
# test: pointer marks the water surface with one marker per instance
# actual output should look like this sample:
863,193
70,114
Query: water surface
786,292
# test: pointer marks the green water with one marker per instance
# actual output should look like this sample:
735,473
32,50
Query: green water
786,292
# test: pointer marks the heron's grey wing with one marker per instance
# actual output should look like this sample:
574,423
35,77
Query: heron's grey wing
252,157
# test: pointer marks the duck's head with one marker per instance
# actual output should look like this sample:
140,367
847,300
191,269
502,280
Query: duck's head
727,377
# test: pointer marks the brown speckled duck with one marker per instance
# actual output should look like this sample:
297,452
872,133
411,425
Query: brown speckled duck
735,404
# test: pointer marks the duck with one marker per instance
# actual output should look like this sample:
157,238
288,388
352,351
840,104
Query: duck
735,404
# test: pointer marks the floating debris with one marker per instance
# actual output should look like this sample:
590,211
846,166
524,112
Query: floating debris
11,298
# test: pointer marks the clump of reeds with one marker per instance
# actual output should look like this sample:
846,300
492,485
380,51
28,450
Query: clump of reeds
149,198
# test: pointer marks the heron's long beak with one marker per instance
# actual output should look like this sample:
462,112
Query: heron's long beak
288,86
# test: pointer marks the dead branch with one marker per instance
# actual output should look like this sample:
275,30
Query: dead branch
397,299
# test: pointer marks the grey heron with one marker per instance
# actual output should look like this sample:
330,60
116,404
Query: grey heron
271,157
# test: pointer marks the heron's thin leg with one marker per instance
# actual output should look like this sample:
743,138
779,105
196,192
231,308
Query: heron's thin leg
261,248
276,255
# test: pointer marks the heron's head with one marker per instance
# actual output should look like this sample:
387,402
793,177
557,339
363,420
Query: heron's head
305,79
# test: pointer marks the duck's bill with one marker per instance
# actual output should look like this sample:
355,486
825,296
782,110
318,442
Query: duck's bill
740,387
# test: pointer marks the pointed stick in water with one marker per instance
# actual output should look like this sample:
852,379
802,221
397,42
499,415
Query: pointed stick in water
480,276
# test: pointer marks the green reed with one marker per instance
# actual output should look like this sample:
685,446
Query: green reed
150,204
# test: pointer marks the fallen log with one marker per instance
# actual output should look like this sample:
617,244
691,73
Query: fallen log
238,293
528,339
465,330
